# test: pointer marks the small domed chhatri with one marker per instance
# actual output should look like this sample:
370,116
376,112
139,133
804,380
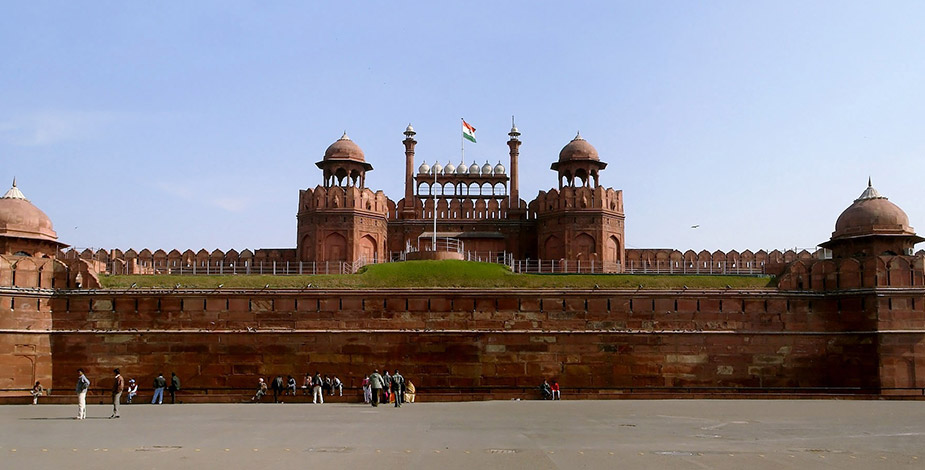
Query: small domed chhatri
578,163
578,149
19,218
344,149
872,225
499,169
462,169
871,214
344,164
424,168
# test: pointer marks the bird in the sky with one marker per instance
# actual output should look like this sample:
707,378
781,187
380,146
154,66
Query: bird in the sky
695,226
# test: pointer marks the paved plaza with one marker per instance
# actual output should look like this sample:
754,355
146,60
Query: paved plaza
731,434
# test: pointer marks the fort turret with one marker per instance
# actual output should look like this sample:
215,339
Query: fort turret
342,220
581,222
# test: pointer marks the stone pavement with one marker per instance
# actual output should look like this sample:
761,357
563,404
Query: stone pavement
733,434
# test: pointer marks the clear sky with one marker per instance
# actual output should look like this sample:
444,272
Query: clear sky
195,124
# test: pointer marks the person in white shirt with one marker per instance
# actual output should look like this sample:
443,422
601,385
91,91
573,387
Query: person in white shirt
132,390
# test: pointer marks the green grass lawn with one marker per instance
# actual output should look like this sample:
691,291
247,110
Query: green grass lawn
441,274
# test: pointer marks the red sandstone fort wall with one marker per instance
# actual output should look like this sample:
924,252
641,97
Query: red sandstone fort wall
654,260
444,341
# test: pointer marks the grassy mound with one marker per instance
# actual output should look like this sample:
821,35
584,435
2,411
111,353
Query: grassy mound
424,274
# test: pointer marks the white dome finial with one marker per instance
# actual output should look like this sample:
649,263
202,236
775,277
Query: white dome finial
14,192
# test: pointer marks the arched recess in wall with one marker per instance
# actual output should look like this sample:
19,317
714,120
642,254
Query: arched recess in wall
612,253
584,247
335,247
553,249
368,248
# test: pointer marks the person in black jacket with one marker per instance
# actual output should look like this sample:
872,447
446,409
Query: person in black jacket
277,387
174,387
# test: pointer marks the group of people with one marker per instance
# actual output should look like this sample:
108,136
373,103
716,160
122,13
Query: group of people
160,383
389,388
317,384
550,391
119,386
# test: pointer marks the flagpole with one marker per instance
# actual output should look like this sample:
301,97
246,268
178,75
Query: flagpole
434,190
462,142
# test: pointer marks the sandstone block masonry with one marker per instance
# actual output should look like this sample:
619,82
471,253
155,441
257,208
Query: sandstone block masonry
498,342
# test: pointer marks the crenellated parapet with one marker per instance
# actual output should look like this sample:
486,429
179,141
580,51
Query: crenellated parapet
576,199
146,261
344,198
842,274
667,260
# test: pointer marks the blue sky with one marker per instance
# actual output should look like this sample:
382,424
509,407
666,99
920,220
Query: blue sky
195,124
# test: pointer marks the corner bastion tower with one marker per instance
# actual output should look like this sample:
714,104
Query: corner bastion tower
28,273
342,220
581,220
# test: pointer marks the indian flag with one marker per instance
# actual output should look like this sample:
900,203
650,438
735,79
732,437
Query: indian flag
468,131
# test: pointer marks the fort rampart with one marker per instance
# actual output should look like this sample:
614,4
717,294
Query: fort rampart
491,343
651,260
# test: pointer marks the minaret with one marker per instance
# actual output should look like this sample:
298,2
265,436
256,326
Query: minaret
514,144
409,168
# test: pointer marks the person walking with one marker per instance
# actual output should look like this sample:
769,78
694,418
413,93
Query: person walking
174,387
375,385
160,383
83,384
117,386
398,385
386,385
317,394
37,391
